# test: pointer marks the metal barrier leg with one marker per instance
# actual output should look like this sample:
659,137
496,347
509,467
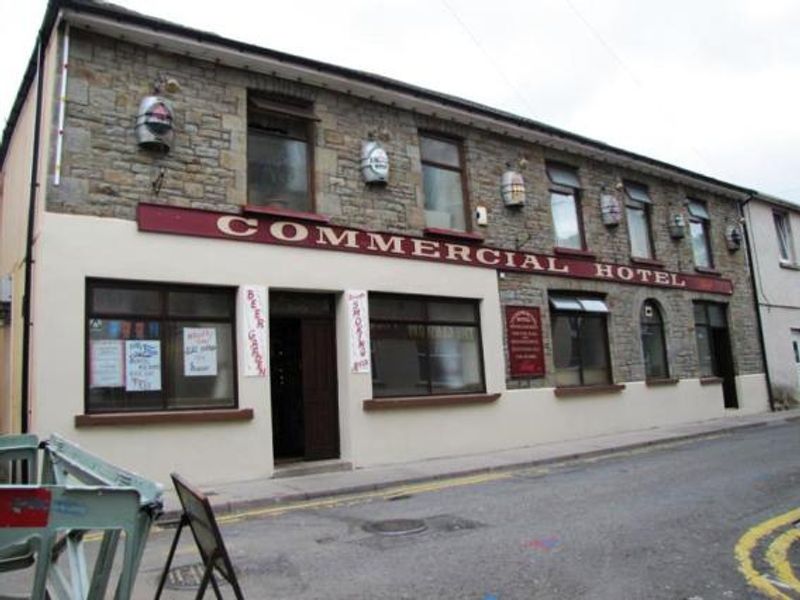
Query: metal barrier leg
102,568
42,567
208,575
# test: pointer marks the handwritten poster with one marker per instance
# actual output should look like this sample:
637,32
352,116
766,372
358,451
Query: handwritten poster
253,301
199,351
359,331
142,365
107,363
524,331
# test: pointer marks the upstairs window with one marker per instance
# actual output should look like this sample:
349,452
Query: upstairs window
699,227
783,231
653,345
424,346
580,340
279,155
565,206
637,210
159,347
443,183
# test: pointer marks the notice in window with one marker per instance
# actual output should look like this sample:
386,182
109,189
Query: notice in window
524,334
359,331
142,365
199,351
107,364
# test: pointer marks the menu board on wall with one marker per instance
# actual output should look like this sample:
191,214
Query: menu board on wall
199,351
524,335
107,363
142,365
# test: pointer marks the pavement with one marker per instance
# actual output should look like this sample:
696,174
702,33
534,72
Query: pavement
302,483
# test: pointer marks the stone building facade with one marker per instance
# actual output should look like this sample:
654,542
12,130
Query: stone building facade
91,231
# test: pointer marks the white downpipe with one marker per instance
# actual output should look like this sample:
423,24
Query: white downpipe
62,105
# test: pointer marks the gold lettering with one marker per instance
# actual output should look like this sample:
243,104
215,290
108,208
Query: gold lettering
225,225
328,236
552,266
625,273
278,231
457,252
480,255
378,243
426,248
606,271
532,263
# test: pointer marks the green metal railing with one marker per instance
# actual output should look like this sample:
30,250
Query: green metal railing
43,523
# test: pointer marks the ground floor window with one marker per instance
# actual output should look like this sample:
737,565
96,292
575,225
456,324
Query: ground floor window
580,340
159,347
653,344
425,346
710,329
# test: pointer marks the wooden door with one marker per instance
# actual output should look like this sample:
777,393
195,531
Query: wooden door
320,389
723,358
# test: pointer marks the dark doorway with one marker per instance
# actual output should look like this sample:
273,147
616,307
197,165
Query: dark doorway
305,415
714,348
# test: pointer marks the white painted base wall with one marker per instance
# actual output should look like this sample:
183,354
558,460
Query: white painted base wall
72,248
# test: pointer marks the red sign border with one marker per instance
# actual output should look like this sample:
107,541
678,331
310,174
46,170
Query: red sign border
517,366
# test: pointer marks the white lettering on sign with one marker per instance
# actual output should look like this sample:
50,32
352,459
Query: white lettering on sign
237,226
253,305
360,355
289,232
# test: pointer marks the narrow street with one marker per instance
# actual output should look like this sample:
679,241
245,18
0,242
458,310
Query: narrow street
662,522
692,520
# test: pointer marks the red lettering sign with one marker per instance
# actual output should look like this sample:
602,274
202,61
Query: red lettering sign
279,230
24,507
524,336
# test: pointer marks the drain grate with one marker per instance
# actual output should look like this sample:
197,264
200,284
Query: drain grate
188,577
396,527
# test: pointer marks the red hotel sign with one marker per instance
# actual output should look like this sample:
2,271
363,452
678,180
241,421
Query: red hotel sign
269,229
524,333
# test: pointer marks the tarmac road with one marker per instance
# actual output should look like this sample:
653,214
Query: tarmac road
689,520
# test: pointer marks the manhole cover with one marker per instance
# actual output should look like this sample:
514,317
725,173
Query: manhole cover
396,527
188,577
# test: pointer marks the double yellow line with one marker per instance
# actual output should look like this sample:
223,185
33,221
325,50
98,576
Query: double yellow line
776,555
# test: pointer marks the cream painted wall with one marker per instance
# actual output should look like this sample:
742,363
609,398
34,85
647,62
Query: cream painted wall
74,248
778,290
14,203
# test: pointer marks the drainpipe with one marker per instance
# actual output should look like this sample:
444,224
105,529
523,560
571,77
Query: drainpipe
26,297
747,245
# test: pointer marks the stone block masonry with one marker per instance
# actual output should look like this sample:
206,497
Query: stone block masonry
106,174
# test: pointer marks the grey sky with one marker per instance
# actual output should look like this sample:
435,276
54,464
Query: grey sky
711,86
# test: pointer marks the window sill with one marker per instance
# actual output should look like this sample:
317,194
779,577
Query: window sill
166,418
276,211
560,251
710,380
790,266
661,381
585,390
454,234
708,271
650,262
427,401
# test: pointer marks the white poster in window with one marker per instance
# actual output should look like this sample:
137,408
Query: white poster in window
142,365
199,351
253,308
107,363
360,358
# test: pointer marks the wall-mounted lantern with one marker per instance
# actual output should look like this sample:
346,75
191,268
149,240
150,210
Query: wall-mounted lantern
733,237
610,209
512,187
374,163
677,226
155,127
